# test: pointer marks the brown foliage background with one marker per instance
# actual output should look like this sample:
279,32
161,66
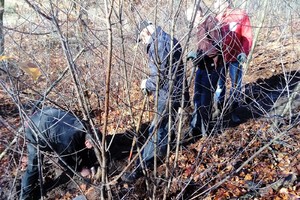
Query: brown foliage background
220,166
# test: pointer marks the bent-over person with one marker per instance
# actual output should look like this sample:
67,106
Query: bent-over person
59,132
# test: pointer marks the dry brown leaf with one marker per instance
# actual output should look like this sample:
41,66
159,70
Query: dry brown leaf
67,196
248,177
222,194
188,171
5,57
31,69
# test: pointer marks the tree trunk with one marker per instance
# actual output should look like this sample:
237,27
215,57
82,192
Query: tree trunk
108,8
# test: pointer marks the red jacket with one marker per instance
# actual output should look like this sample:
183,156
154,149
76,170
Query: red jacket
237,33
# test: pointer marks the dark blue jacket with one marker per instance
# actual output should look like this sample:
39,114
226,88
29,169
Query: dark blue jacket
63,131
57,131
159,53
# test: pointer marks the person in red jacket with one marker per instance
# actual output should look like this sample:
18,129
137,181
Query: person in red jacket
236,45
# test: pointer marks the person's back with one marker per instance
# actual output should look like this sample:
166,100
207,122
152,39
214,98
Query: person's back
160,51
56,130
209,37
237,33
52,130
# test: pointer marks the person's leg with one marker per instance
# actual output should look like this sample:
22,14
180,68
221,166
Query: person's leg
235,72
148,151
160,123
215,77
202,100
221,88
196,116
186,97
30,178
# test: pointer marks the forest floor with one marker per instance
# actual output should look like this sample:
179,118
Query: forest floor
235,161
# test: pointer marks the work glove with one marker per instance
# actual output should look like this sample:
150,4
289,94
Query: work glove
144,88
242,58
191,56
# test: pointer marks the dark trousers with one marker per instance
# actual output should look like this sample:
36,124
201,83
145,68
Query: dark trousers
204,88
29,180
161,125
235,73
30,185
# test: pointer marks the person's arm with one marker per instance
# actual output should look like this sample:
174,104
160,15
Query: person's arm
158,58
64,177
151,81
202,37
246,33
61,179
67,151
89,158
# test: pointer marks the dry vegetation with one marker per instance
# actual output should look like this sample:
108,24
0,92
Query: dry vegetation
257,159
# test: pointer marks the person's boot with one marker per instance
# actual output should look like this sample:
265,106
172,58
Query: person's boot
234,117
218,110
130,177
215,111
192,135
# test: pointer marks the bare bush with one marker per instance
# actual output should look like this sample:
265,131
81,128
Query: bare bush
91,64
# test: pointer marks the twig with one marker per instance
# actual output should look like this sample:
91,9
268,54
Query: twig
12,129
38,10
137,128
246,162
56,81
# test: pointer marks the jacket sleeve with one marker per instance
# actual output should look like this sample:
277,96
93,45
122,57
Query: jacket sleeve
202,37
158,58
215,34
246,32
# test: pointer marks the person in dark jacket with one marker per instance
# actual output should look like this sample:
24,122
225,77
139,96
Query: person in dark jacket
58,131
165,64
209,62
